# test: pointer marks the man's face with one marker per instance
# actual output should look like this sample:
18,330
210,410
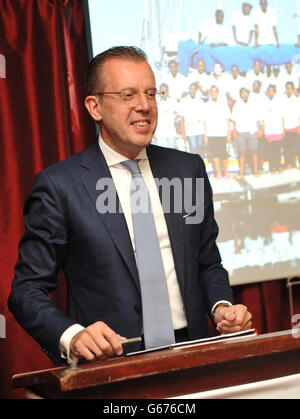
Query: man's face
173,67
164,89
214,93
289,67
264,5
127,127
200,66
234,71
270,92
218,69
245,95
193,90
289,90
256,86
219,17
246,9
257,67
276,72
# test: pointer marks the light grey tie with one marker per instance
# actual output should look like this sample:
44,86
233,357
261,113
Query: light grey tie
157,320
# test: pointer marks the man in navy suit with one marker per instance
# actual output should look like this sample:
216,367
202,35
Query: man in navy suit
66,229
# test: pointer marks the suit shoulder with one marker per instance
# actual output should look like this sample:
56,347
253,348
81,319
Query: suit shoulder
172,152
63,165
64,168
177,156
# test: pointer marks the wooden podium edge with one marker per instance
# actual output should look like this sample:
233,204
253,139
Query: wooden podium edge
119,369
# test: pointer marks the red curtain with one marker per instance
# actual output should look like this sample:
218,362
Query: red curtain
43,120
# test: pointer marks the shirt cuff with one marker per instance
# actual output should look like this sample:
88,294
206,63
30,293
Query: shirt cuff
65,340
228,303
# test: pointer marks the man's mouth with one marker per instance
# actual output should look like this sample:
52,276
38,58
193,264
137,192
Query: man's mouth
140,123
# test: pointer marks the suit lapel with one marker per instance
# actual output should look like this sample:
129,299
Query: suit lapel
94,167
175,221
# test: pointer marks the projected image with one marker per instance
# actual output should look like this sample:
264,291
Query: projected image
230,73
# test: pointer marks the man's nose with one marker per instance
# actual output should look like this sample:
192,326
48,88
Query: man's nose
142,102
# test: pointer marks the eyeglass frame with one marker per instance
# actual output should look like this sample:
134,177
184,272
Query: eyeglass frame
123,98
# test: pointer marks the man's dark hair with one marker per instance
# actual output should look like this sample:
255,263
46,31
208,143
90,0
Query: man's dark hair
94,81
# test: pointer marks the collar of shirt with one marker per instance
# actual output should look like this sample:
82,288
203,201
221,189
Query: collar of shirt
113,158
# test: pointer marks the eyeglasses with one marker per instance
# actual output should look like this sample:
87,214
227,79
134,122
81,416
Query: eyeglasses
129,95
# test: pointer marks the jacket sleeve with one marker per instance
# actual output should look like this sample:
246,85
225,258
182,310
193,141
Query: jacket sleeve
213,276
42,252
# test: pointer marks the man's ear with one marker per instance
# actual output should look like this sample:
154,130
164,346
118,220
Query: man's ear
92,105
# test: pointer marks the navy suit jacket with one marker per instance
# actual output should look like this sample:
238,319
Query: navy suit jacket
65,231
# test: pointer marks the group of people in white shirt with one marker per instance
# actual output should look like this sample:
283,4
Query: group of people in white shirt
247,28
203,113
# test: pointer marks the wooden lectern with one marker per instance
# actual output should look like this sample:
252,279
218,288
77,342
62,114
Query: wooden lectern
173,372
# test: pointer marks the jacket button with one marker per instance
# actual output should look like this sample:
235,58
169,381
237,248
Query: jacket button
137,309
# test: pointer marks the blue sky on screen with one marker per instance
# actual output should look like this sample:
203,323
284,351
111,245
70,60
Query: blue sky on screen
118,22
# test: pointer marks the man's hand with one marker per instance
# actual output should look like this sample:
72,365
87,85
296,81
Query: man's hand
97,341
232,319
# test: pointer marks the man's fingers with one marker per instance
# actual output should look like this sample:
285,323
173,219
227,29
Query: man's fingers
97,341
100,341
84,347
114,340
243,315
233,329
230,315
234,319
226,314
236,315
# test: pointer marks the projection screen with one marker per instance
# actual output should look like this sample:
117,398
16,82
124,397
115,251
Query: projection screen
197,54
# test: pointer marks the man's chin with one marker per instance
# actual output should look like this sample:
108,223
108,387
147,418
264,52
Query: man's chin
142,141
134,147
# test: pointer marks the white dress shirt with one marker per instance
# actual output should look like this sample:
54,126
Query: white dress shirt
251,77
122,179
178,85
291,112
234,86
167,111
246,116
214,33
273,116
192,110
202,79
266,22
244,25
216,116
222,83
